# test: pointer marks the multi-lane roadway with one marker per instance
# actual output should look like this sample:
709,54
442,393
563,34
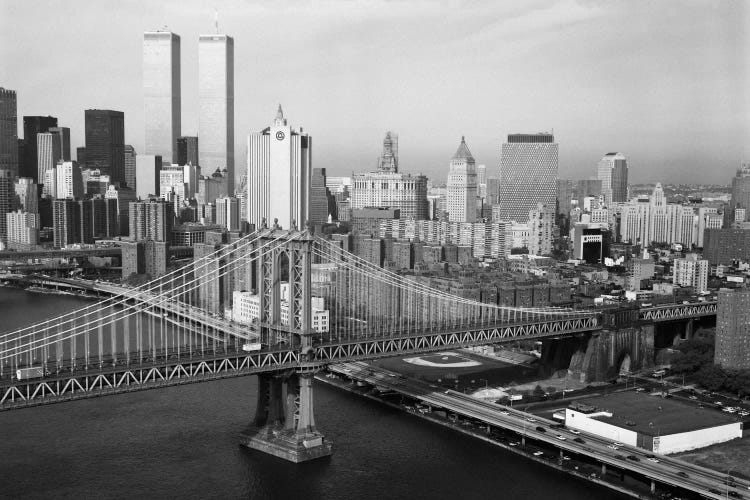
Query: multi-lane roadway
658,468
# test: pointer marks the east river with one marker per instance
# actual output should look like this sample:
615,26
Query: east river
182,442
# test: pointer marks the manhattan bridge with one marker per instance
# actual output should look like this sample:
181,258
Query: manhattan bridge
166,332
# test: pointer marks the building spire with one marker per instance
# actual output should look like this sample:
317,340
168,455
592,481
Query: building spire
279,113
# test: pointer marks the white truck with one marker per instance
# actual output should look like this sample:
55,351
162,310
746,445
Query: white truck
29,373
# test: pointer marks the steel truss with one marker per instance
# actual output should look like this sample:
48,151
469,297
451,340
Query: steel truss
90,383
678,311
433,341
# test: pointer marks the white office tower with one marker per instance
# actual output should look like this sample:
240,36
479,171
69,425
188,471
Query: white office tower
216,105
462,186
26,190
23,229
528,175
278,176
69,181
49,152
228,213
612,170
161,93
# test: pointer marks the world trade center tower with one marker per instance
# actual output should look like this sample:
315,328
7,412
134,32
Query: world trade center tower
216,105
161,92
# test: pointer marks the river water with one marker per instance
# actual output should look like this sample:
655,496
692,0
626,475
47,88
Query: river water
182,442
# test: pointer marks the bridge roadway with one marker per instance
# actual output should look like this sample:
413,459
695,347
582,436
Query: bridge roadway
666,471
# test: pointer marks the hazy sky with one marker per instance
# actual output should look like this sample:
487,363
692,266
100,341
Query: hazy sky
664,82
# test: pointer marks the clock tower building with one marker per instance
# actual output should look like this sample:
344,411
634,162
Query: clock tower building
279,173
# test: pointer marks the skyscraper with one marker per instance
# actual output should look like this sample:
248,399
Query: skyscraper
8,131
161,91
319,197
216,104
49,152
129,165
26,190
387,187
613,172
740,193
64,133
228,213
105,142
462,186
279,165
147,170
187,150
33,125
528,174
7,201
69,181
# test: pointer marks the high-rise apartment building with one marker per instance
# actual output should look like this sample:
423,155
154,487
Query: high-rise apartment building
151,219
147,169
7,200
528,174
612,170
279,162
564,196
462,186
64,133
8,131
22,229
49,152
388,188
65,222
216,104
172,185
33,125
228,213
123,196
733,329
128,165
162,94
541,222
187,150
691,271
105,142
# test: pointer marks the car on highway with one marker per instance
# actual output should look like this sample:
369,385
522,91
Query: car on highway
531,419
574,431
618,444
503,412
654,460
633,458
538,453
541,429
579,440
613,447
560,437
682,474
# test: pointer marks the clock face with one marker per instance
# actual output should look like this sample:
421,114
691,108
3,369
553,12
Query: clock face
280,135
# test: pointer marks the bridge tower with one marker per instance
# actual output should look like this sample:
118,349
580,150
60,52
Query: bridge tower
284,423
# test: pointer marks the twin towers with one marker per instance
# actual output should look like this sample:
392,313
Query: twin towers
163,99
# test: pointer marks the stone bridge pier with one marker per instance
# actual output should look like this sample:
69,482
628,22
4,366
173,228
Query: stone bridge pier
284,424
608,352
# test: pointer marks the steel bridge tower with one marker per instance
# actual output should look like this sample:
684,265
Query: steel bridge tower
284,424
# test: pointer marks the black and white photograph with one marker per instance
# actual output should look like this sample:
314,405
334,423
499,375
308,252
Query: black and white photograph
375,249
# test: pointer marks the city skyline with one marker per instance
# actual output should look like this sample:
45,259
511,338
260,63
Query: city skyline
627,81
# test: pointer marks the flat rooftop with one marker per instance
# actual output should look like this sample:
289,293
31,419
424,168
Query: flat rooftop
654,415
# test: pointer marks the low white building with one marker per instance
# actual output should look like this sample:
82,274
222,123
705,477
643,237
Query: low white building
651,422
246,309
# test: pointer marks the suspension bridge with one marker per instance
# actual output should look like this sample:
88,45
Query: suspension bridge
185,327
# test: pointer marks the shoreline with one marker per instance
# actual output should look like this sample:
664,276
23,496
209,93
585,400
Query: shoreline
338,384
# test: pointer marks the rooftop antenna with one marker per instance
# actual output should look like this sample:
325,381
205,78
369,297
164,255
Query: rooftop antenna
216,20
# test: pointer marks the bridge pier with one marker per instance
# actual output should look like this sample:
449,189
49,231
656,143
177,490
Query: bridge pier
284,423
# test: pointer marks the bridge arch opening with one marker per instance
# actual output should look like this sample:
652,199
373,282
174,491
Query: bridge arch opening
624,363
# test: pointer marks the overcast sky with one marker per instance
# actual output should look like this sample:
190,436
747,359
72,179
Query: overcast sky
664,82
